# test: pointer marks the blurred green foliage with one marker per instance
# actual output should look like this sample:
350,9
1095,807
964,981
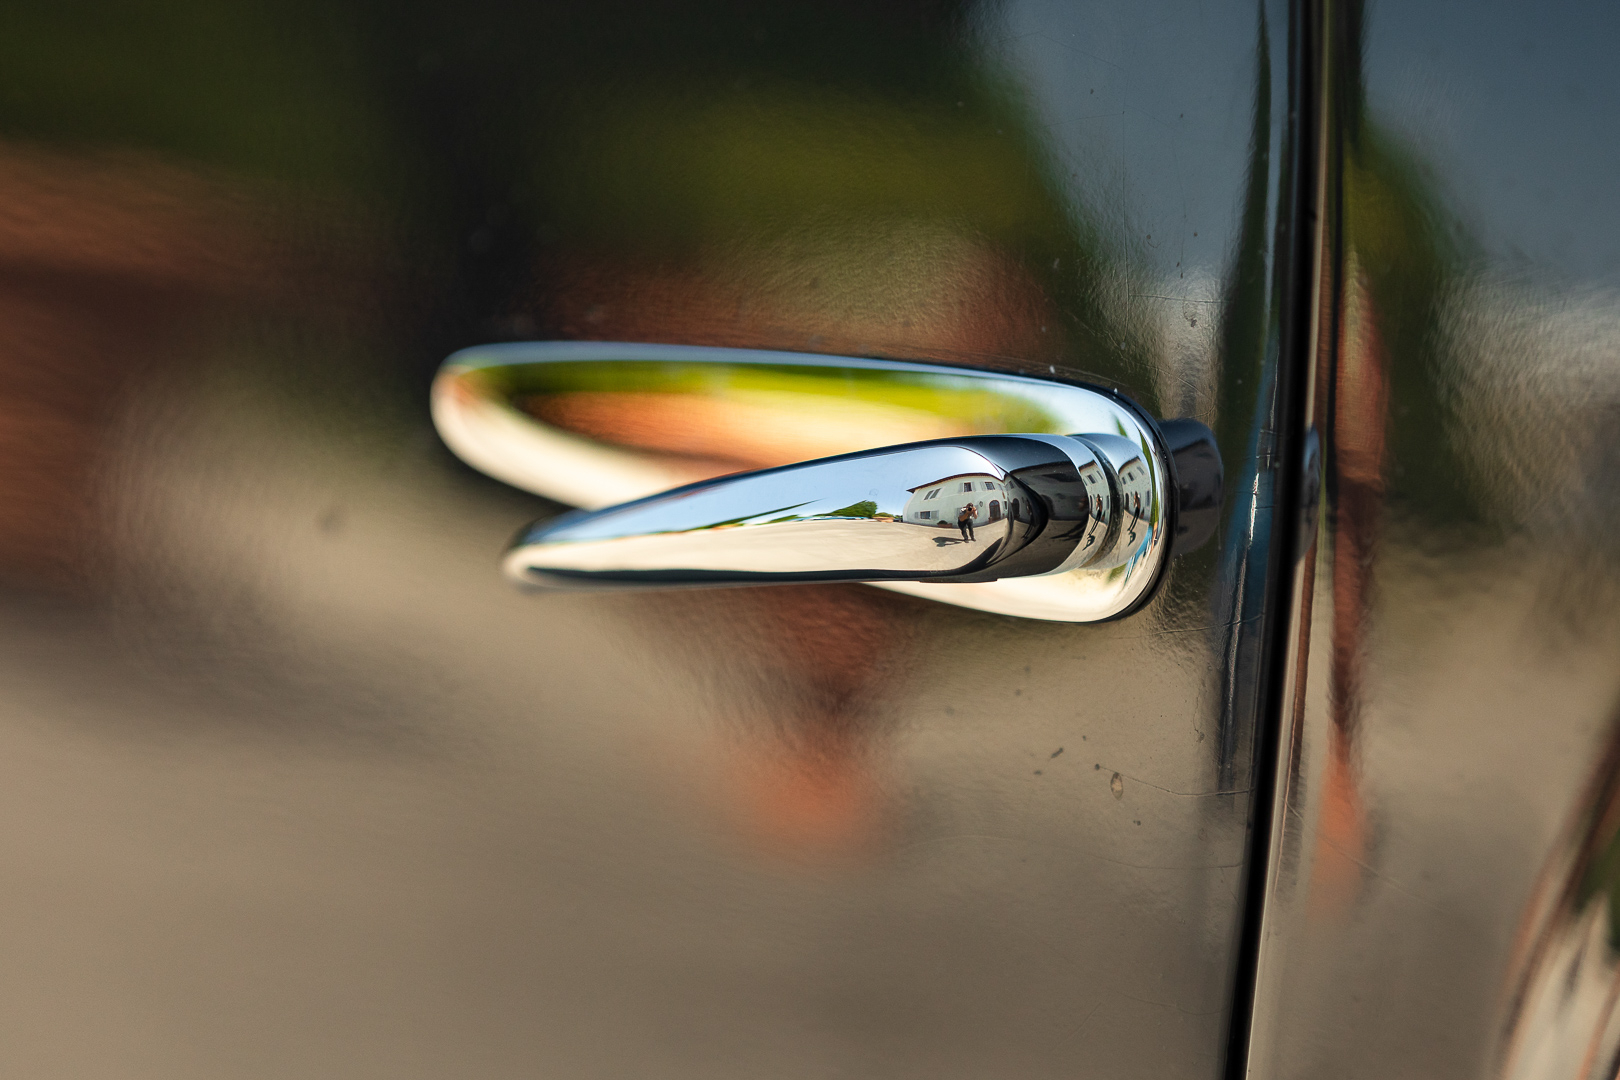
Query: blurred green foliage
964,400
489,135
1402,237
276,90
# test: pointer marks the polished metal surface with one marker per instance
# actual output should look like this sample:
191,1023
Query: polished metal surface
963,510
809,522
1099,508
593,423
1438,896
296,785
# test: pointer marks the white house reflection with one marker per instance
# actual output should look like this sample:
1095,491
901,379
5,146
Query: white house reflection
1136,501
960,501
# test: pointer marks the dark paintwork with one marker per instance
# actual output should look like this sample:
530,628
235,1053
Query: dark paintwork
297,786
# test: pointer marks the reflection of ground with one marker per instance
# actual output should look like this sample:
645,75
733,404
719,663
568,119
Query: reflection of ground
442,809
814,545
1481,714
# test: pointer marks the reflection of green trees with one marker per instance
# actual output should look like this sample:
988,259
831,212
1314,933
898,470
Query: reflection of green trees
776,134
500,134
958,399
497,134
865,509
1396,234
1601,882
280,90
1410,251
749,519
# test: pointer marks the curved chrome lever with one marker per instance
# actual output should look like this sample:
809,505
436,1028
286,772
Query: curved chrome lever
954,510
596,423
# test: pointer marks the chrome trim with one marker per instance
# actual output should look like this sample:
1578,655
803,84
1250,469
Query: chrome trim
965,510
483,405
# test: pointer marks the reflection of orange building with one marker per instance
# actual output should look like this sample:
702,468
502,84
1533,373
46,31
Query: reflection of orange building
939,501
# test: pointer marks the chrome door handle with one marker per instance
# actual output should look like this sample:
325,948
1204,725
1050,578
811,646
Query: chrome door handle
953,510
1078,528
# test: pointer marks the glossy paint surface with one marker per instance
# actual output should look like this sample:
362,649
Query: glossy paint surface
296,785
1440,900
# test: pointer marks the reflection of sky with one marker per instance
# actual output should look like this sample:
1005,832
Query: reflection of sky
1149,107
1515,104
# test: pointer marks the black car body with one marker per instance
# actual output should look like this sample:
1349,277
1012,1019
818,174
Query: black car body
297,785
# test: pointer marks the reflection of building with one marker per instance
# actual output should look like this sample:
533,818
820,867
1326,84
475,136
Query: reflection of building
939,501
1135,497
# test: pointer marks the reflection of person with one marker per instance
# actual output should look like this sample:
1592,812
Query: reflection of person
964,521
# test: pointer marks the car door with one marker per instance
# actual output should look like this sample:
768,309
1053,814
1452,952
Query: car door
300,784
316,789
1439,901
